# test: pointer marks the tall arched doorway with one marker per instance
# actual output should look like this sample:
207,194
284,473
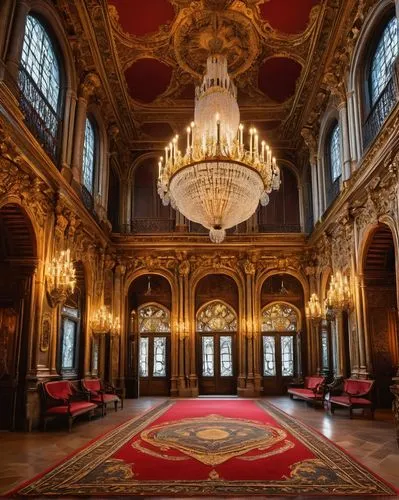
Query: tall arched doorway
149,339
216,335
18,254
382,310
282,345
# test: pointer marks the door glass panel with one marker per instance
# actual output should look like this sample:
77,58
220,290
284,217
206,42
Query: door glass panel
226,356
143,357
68,344
159,357
287,356
269,356
208,357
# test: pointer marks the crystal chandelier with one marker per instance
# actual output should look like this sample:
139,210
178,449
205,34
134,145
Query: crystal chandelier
339,294
61,278
217,182
313,308
103,322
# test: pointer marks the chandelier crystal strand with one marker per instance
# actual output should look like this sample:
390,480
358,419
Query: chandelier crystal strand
313,308
103,322
217,182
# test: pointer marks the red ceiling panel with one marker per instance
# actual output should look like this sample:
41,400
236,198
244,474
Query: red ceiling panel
288,16
139,17
162,131
278,77
147,79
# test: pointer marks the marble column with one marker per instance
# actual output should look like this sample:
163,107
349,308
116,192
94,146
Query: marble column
87,88
346,156
6,8
315,192
17,38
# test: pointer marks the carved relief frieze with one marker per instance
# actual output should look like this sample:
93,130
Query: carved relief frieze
45,333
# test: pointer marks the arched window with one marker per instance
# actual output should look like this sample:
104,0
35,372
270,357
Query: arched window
381,96
280,322
333,164
382,60
89,157
39,81
216,317
154,330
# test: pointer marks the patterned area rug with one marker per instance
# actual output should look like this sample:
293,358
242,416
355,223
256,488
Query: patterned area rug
209,448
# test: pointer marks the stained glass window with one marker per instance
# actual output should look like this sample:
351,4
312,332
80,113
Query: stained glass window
68,344
279,317
383,59
226,356
89,157
269,356
153,319
143,356
217,317
39,81
95,357
334,151
208,357
287,356
159,357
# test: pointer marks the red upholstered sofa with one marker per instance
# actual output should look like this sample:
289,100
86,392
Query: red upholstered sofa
60,399
313,389
356,394
101,394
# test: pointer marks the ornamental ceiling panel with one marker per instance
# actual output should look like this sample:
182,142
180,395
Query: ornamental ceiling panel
154,53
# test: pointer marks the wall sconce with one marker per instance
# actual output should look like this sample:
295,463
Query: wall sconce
313,309
60,278
339,295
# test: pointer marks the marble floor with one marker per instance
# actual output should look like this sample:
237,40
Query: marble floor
373,443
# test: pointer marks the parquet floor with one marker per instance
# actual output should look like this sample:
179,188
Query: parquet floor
373,443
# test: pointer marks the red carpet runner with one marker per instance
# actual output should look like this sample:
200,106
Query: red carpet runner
209,447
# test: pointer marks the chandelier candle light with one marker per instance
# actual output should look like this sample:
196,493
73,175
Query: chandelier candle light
339,293
313,309
61,277
217,182
104,322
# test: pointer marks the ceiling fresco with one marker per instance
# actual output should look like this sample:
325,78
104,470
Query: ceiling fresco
154,52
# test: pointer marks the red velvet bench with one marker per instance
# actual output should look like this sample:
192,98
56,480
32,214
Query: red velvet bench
313,389
101,394
356,394
62,400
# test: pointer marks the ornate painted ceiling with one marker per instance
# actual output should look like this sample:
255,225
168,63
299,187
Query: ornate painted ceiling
153,52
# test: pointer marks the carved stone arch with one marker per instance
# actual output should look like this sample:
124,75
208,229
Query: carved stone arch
268,273
356,80
37,231
284,302
170,278
50,15
291,166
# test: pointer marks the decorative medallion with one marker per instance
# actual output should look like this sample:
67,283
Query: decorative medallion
228,32
214,439
45,333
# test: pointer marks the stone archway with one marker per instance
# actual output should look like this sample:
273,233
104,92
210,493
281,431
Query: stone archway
18,252
379,270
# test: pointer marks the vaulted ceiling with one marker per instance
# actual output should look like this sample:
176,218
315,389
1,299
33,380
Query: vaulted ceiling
153,53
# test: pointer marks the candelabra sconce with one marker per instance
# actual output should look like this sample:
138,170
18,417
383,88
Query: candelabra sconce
60,278
313,309
339,296
103,322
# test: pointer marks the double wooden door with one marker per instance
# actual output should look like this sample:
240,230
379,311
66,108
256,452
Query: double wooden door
217,363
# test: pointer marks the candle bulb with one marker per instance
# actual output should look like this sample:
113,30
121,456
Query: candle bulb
166,154
192,125
217,128
256,148
188,139
251,134
159,169
241,127
263,151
